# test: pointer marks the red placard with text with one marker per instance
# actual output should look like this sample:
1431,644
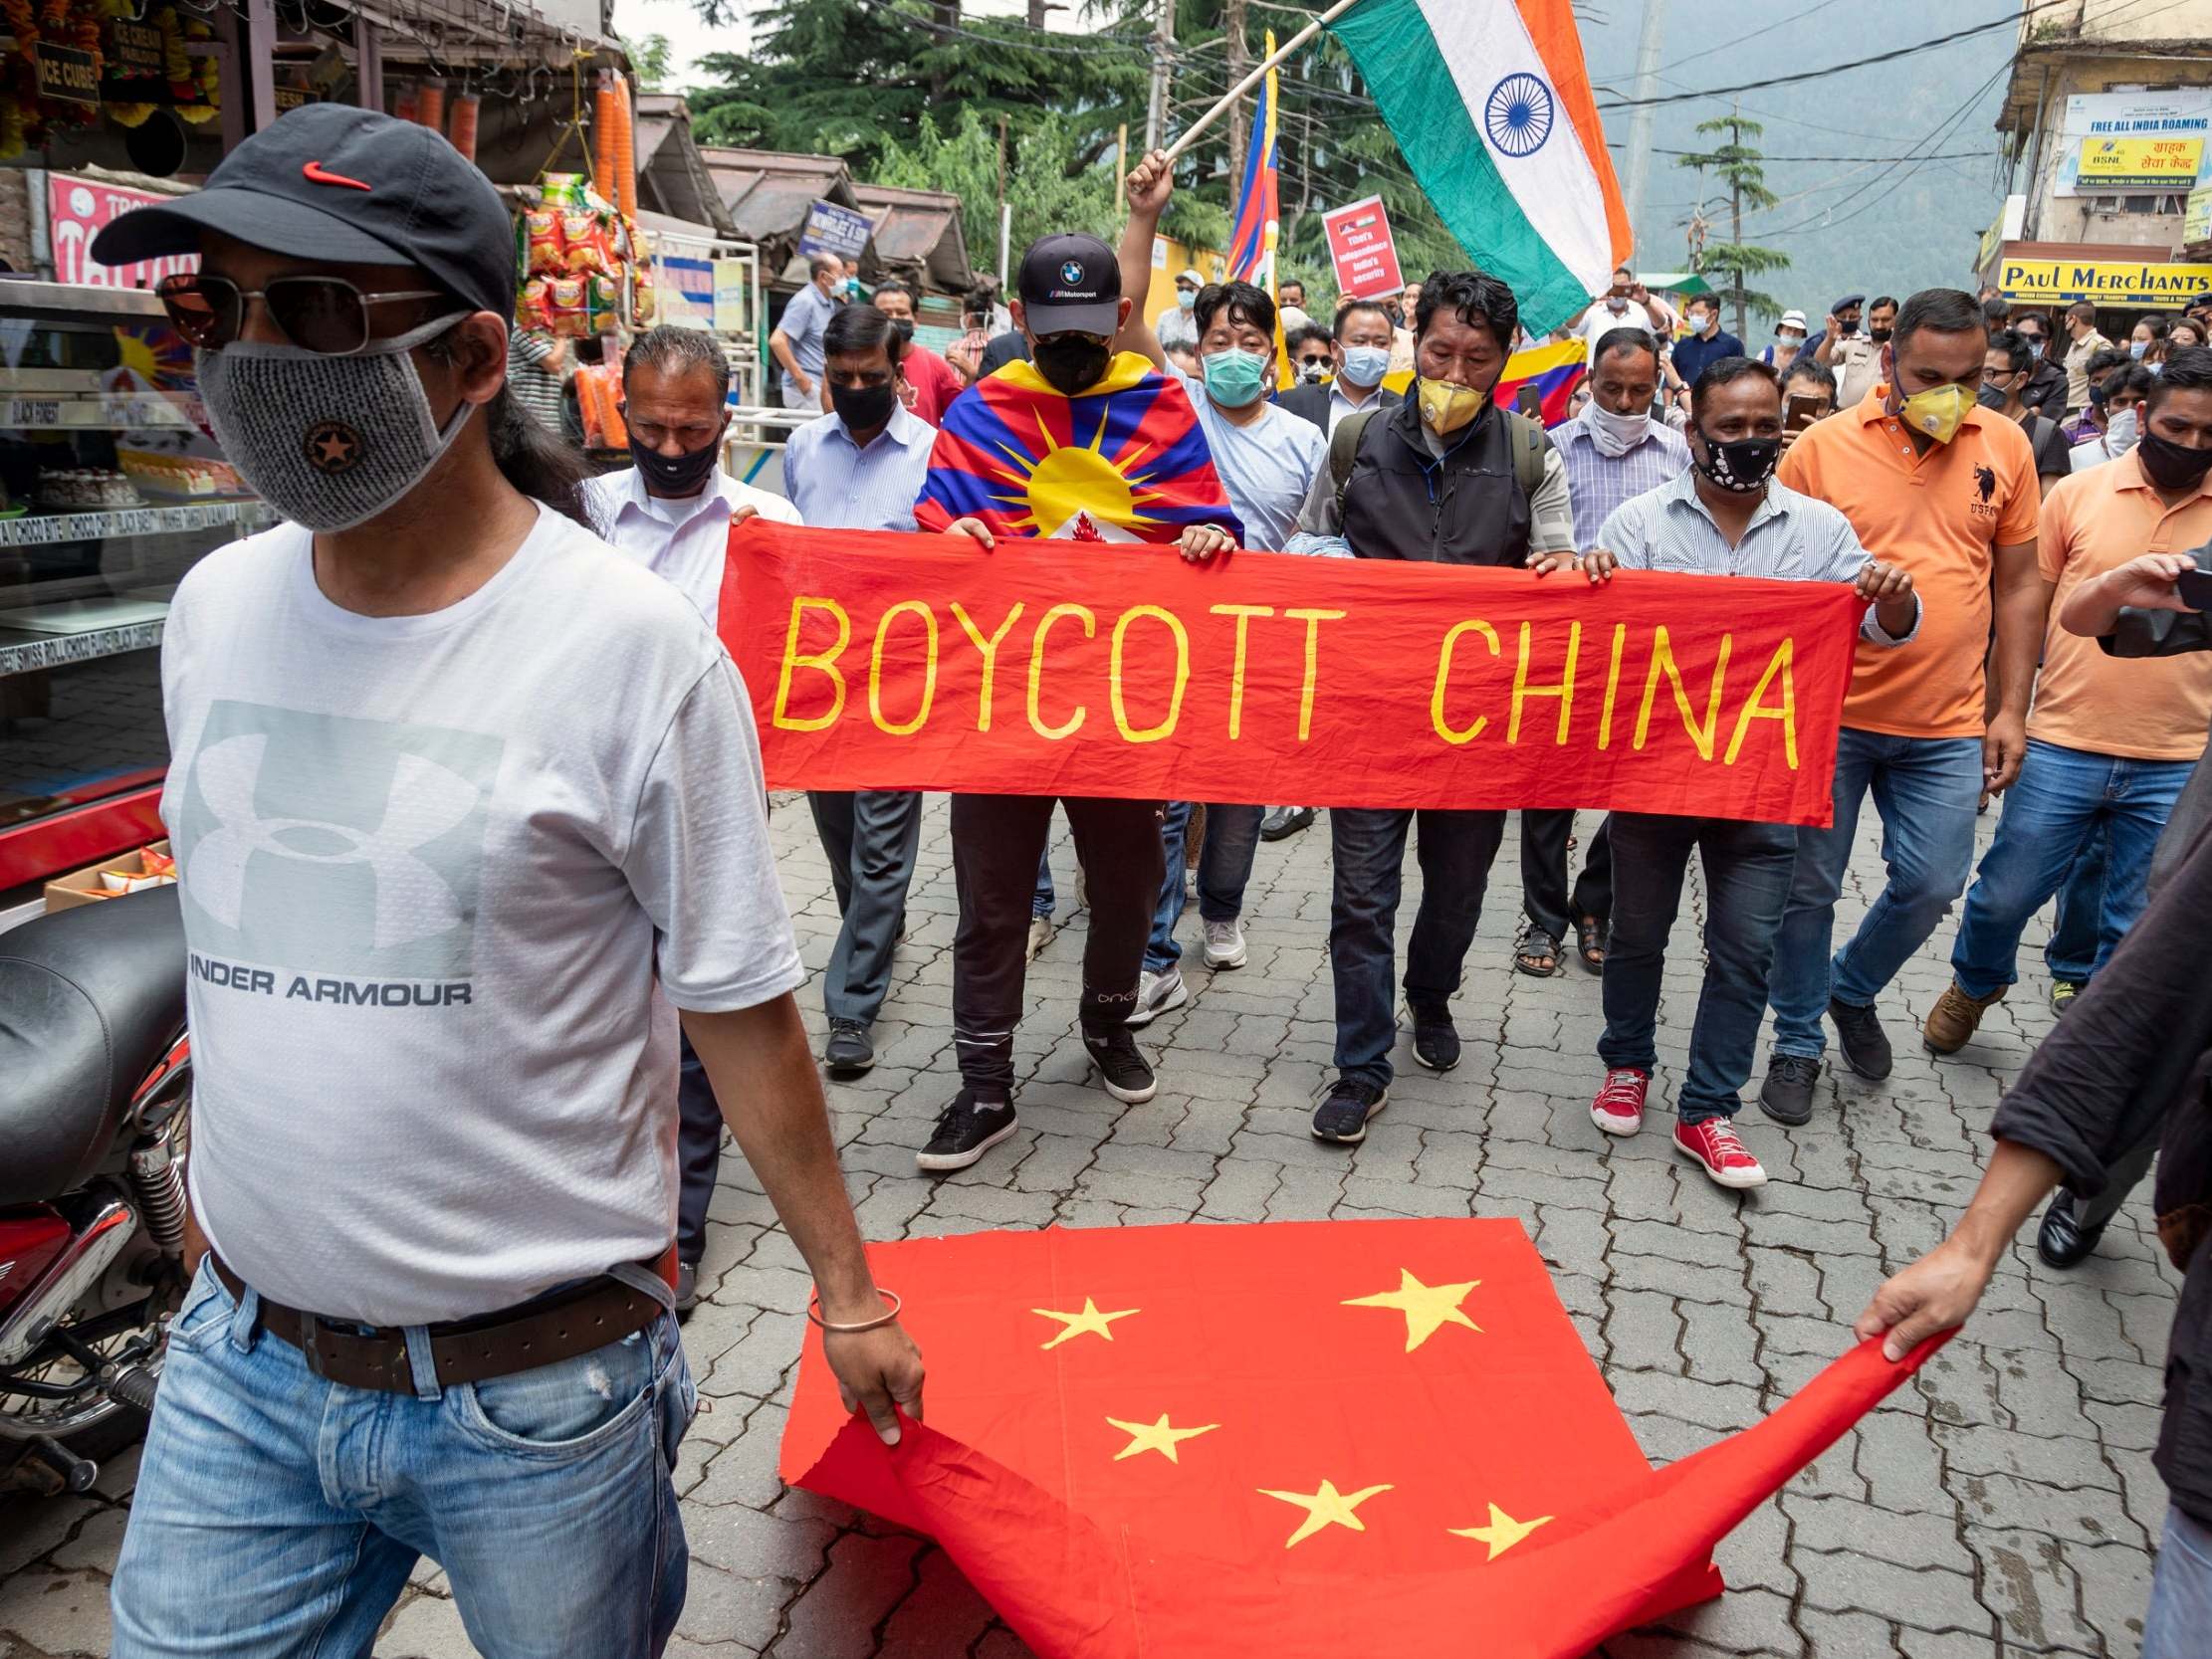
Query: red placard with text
880,661
1360,245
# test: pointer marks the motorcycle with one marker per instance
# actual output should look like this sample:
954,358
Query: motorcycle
96,1093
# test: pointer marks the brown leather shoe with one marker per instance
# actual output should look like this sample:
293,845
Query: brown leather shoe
1952,1022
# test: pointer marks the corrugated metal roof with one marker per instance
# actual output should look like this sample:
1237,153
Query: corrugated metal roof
919,235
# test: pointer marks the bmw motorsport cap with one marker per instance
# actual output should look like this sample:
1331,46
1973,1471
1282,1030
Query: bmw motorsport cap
1071,284
332,183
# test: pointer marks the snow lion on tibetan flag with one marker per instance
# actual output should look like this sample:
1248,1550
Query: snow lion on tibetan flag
1490,103
1124,460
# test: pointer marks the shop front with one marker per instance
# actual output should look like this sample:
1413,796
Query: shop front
2122,282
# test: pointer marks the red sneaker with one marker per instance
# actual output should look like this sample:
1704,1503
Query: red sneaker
1713,1143
1619,1107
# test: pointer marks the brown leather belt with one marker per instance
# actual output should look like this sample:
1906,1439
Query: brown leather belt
539,1332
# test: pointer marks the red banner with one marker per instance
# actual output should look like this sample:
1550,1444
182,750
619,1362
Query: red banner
1363,251
919,662
78,209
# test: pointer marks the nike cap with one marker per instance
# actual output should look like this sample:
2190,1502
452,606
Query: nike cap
1071,284
335,184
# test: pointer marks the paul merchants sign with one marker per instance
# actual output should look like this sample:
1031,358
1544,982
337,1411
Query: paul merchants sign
2040,282
879,661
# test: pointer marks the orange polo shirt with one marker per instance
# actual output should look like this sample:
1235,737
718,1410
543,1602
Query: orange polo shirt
1938,515
2143,709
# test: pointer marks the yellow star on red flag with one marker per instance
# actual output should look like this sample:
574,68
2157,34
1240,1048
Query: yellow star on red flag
1501,1534
1428,1307
1160,1437
1090,1322
1325,1507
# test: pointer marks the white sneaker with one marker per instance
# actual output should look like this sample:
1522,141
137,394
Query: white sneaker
1040,936
1225,944
1156,994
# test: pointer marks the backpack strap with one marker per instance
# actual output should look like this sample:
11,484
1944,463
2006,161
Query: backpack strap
1529,443
1344,449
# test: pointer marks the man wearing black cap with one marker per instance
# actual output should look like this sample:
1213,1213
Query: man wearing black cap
1070,312
1852,355
459,878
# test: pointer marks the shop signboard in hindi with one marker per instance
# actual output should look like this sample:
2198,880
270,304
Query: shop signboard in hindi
2112,144
1361,248
831,229
77,210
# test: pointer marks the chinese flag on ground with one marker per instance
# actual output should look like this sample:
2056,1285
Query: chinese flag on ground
1200,1442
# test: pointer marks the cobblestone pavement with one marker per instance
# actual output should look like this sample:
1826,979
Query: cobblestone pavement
2004,1503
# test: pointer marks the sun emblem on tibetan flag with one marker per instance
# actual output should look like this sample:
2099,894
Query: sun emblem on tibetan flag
1126,461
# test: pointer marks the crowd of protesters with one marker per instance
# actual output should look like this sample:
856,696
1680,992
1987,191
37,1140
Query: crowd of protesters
443,608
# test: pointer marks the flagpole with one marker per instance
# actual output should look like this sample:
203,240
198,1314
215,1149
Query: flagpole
1257,75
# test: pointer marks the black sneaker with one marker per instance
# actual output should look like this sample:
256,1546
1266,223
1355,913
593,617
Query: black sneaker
966,1129
1342,1118
1865,1044
1122,1067
1788,1094
1436,1038
849,1052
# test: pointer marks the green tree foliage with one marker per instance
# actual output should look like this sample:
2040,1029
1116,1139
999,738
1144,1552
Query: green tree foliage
1739,169
1048,187
650,60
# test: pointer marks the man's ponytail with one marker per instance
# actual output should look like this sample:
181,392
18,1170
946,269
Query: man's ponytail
541,464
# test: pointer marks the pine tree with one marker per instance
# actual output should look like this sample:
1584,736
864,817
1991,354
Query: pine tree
1741,168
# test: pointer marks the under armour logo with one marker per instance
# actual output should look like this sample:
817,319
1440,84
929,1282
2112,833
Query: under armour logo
425,801
333,446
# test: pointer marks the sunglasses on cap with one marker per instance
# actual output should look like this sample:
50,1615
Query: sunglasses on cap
328,316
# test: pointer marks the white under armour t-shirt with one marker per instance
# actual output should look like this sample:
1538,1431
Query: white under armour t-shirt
438,873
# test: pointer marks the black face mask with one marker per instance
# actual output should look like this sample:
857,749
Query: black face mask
1741,467
1880,336
863,408
2168,465
903,328
681,474
1990,397
1070,363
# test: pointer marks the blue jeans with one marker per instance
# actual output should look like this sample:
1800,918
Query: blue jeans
2180,1590
1456,850
1926,790
277,1513
1042,901
1225,868
2063,797
1747,885
2071,951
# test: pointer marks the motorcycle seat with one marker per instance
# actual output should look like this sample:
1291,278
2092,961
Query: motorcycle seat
89,1000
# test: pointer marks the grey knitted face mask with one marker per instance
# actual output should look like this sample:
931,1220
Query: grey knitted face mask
329,442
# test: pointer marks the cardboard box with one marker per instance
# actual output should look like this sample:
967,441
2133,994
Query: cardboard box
83,887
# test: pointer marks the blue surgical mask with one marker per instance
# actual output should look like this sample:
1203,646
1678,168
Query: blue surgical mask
1365,365
1235,378
1704,322
1187,298
2135,349
2035,349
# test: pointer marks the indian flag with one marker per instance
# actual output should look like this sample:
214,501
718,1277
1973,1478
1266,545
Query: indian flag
1490,103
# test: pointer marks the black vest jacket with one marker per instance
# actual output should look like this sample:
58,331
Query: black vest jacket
1467,507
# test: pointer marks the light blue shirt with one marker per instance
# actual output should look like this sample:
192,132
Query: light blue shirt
1791,538
1266,467
1596,482
840,485
801,324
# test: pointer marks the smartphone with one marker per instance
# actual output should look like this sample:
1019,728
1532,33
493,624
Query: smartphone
1801,412
2195,589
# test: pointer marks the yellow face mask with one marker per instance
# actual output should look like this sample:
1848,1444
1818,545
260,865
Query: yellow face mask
1939,411
1446,407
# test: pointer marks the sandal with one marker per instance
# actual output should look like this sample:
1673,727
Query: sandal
1537,953
1590,939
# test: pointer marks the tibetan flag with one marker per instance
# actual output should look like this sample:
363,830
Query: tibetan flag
1125,462
1490,104
1251,242
1552,371
1293,1441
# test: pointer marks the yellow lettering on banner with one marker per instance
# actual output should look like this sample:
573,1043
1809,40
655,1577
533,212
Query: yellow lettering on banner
1612,685
1074,722
1787,714
824,661
1564,690
1244,615
1445,728
1662,662
1150,734
1313,620
988,648
903,729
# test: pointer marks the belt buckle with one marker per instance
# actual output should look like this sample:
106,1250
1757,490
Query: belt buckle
309,1347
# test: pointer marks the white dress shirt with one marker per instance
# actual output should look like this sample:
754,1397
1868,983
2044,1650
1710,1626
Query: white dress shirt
685,540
